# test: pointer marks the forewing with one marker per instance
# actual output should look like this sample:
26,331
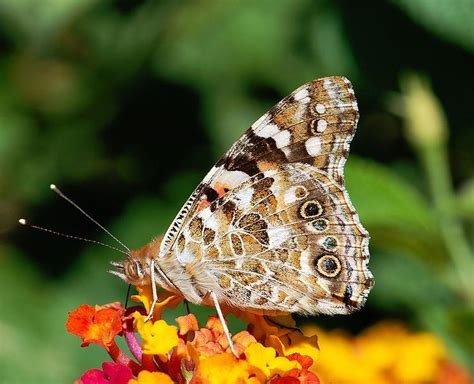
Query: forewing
314,125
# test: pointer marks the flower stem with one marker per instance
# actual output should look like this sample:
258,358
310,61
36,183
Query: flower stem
435,161
427,130
120,357
132,341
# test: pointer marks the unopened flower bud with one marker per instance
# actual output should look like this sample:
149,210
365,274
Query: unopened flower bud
426,124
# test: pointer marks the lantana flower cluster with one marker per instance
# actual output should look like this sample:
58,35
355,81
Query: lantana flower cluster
385,353
186,352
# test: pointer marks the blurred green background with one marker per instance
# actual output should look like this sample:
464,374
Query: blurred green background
125,105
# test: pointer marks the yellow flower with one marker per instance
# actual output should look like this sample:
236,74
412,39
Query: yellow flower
264,358
296,342
145,377
165,300
223,368
385,353
158,337
420,359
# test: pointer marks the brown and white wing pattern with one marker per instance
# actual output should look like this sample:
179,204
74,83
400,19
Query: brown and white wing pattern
315,125
271,227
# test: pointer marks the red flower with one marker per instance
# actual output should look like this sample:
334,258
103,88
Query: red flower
99,324
111,373
304,375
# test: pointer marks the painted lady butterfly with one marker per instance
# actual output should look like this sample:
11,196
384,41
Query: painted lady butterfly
271,228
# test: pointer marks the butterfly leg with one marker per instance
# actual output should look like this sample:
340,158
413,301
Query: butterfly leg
153,288
224,324
186,304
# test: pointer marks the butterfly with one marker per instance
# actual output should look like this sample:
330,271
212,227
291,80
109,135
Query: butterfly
271,229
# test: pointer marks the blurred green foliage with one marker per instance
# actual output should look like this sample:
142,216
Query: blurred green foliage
126,105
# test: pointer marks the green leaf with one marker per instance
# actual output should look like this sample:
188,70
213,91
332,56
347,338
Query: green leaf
395,213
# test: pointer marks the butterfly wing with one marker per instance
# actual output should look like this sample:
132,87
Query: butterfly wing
271,227
315,124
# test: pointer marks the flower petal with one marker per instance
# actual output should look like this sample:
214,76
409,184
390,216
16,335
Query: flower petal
158,337
145,377
165,300
187,323
111,373
97,325
222,368
264,358
296,342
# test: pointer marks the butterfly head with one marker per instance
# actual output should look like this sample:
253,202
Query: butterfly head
135,269
132,270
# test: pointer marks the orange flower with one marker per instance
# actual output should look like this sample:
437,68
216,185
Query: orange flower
261,327
99,324
241,341
296,342
187,323
211,340
223,368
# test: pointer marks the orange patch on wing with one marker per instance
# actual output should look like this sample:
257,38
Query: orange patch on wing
266,165
203,205
220,189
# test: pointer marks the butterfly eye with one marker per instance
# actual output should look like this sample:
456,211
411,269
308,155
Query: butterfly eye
311,209
328,265
134,269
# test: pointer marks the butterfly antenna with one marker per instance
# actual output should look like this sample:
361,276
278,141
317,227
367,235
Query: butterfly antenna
24,222
61,194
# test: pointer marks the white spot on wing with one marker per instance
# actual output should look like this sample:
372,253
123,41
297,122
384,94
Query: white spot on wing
205,214
185,257
282,139
211,173
244,197
232,178
330,89
301,94
212,223
320,108
313,146
290,195
277,236
322,125
268,130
